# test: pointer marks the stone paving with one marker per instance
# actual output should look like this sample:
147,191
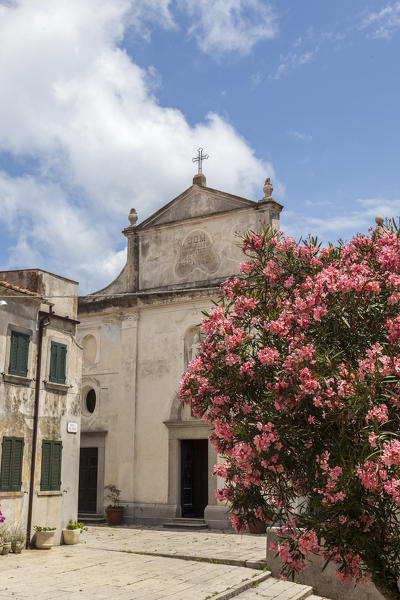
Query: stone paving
205,544
105,566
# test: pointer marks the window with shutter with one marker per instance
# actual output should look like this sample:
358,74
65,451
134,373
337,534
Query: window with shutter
50,479
19,350
58,355
11,464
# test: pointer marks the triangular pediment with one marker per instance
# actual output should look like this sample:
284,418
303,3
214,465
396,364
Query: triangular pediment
197,201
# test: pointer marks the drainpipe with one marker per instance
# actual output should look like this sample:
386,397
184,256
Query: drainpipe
43,322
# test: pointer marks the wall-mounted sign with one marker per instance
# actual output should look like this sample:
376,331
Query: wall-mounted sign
72,427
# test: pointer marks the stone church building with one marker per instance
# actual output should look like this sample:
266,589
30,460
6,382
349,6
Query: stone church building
138,335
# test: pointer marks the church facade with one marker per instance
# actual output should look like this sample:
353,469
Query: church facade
138,335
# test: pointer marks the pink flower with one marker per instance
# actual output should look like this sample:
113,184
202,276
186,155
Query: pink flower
391,453
268,356
378,413
372,439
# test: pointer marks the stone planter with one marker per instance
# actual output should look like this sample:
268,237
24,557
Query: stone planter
44,540
6,548
257,526
17,547
114,515
71,536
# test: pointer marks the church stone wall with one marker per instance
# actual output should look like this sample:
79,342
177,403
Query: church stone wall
196,250
138,335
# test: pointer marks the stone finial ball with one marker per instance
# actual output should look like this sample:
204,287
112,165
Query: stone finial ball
379,220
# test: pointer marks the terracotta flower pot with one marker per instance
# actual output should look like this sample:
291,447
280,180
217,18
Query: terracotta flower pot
71,536
256,526
114,515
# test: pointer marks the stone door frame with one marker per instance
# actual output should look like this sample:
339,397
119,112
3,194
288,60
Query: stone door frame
97,439
187,430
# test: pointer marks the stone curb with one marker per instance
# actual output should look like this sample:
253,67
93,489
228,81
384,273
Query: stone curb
242,587
259,565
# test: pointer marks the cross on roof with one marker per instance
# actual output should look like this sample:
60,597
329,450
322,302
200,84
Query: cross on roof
199,159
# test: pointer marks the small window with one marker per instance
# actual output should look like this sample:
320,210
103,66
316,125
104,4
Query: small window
58,355
19,349
91,401
51,465
11,464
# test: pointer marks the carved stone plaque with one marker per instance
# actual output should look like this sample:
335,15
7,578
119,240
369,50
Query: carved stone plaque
197,251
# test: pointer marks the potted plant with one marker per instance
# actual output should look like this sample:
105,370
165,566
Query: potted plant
44,537
113,511
256,525
17,539
72,532
5,538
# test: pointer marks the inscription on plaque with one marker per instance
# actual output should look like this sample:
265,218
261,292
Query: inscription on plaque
197,251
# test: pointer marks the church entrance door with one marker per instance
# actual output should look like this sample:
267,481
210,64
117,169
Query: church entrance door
87,497
194,478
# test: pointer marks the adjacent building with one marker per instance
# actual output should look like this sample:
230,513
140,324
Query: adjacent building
138,335
40,387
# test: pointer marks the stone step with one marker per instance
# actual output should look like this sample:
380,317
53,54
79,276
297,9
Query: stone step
185,523
91,518
275,589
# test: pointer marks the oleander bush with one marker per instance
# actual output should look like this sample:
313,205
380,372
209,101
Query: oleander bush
299,375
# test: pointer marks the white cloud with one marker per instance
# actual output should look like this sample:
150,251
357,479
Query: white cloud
330,227
383,23
256,79
221,26
145,14
293,60
299,135
77,105
306,48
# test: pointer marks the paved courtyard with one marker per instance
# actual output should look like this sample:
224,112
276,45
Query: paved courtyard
112,564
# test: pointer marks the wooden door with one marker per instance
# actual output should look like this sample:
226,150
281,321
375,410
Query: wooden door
194,477
87,498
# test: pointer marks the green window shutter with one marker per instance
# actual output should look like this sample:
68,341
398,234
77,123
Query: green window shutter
53,362
16,465
45,470
12,369
11,464
58,355
19,351
51,465
5,475
61,363
55,466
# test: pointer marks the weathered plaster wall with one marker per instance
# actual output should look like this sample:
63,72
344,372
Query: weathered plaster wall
56,407
60,291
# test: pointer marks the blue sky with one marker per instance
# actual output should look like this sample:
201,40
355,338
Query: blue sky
104,104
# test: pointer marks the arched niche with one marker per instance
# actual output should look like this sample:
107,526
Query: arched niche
191,344
89,345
